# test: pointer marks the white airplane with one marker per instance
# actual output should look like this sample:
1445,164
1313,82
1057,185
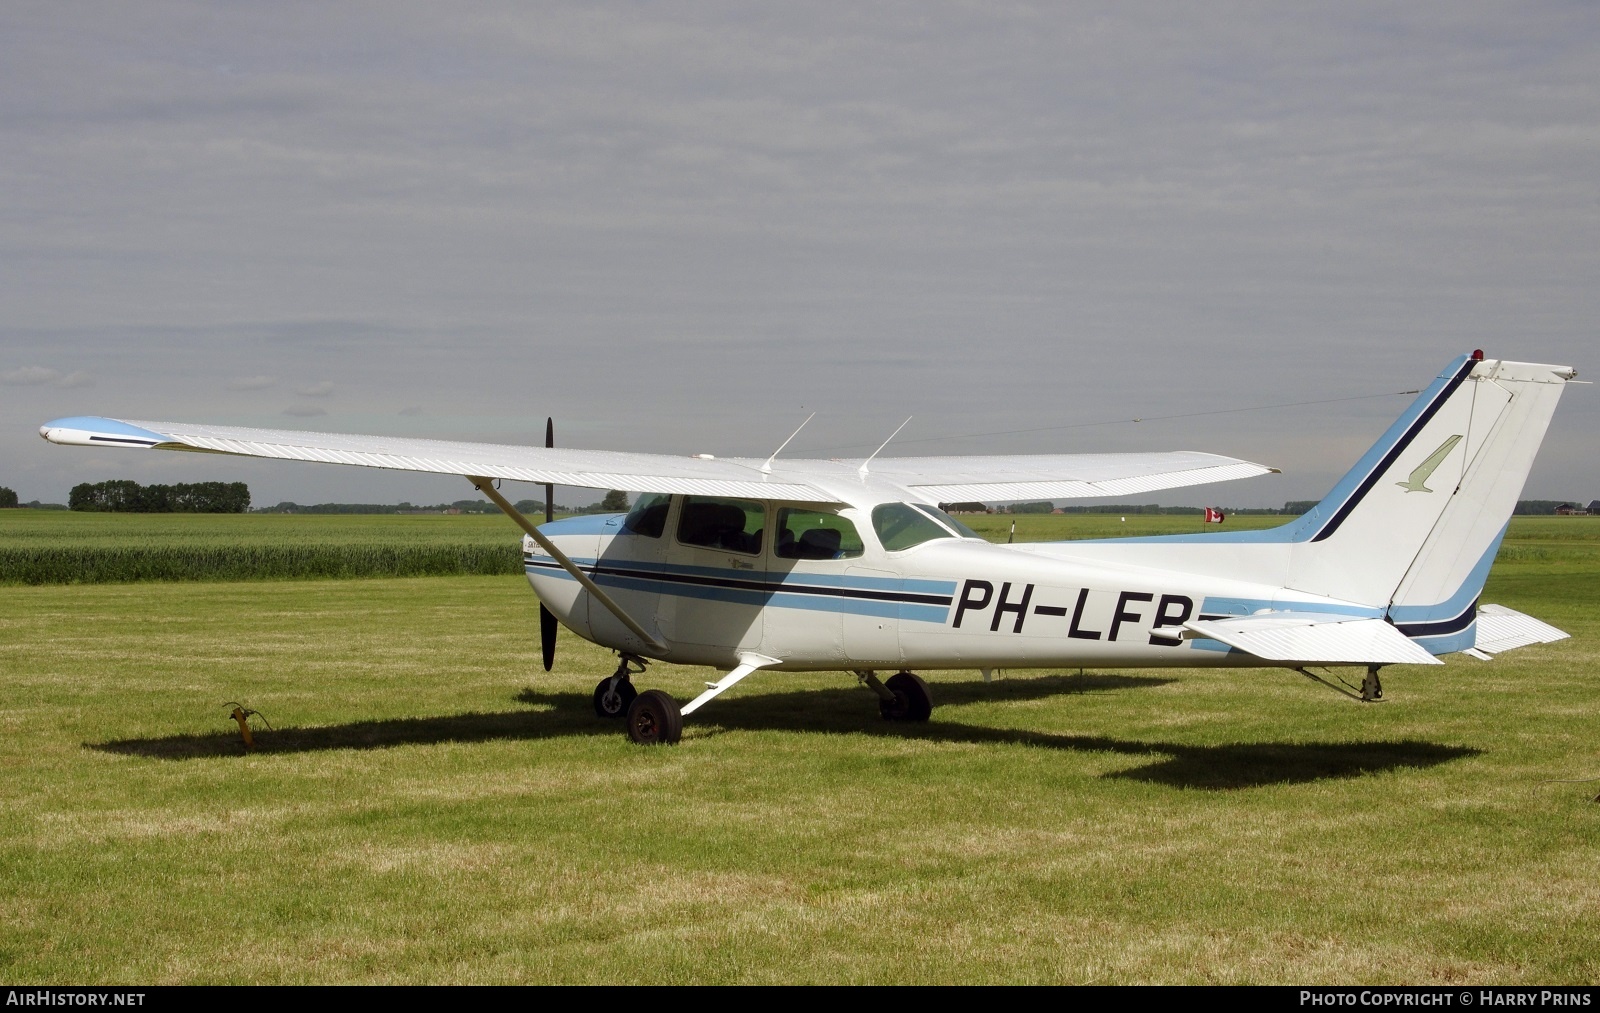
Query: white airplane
810,565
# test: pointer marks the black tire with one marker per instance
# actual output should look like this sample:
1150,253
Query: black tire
654,719
912,701
613,705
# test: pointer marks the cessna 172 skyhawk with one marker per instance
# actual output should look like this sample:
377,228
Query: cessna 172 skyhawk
808,565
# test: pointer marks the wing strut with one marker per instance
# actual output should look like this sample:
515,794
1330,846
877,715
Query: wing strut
486,486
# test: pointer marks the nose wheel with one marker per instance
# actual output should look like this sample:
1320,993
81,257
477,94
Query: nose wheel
614,694
612,697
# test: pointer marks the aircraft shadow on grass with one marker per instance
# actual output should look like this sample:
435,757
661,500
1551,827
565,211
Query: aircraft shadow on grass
850,711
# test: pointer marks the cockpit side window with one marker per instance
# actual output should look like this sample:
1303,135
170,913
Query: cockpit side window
648,516
900,526
815,534
732,524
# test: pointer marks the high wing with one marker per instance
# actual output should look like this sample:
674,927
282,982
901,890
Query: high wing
1060,476
596,469
1053,476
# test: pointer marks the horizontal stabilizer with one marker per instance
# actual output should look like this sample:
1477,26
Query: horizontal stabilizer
1501,629
1314,638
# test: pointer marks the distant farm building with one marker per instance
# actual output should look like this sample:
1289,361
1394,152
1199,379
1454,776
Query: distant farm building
1574,510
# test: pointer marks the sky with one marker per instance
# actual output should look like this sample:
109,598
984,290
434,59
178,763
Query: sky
685,227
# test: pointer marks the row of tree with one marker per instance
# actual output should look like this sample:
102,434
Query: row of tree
125,496
460,506
615,501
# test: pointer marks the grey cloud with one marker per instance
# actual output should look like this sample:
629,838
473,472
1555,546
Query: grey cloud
28,376
667,229
305,411
37,376
411,410
320,389
252,383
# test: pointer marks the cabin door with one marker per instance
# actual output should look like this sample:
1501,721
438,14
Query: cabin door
714,587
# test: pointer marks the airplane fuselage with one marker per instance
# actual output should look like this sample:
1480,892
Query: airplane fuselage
947,603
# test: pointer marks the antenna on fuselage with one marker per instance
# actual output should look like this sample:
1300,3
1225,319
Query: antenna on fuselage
766,469
862,471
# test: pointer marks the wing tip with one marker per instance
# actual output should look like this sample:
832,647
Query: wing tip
94,431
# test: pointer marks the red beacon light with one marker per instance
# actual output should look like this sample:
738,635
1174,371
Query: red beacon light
1477,353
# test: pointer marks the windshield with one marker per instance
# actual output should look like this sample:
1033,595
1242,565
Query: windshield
648,516
947,521
900,526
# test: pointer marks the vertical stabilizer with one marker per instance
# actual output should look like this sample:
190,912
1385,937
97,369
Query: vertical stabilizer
1415,524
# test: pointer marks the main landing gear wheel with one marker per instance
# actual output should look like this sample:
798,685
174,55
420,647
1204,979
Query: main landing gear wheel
613,701
654,719
912,701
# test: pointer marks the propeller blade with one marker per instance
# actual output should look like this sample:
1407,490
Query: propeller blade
547,619
547,636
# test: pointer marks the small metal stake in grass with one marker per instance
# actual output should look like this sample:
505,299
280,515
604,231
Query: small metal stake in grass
243,715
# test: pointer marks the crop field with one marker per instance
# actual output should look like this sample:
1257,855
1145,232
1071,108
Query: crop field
430,806
59,547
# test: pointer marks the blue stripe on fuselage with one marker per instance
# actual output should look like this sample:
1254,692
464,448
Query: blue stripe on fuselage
583,524
1464,596
885,597
1441,628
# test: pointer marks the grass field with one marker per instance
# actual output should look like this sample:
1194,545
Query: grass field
432,807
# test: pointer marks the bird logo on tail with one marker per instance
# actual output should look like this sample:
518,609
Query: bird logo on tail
1422,472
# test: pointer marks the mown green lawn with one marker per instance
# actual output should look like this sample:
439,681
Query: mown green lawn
433,807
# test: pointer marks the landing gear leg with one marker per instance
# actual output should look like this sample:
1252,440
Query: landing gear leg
904,697
1371,688
615,693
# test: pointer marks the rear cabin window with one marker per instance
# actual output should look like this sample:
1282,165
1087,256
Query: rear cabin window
732,524
900,526
815,534
648,516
